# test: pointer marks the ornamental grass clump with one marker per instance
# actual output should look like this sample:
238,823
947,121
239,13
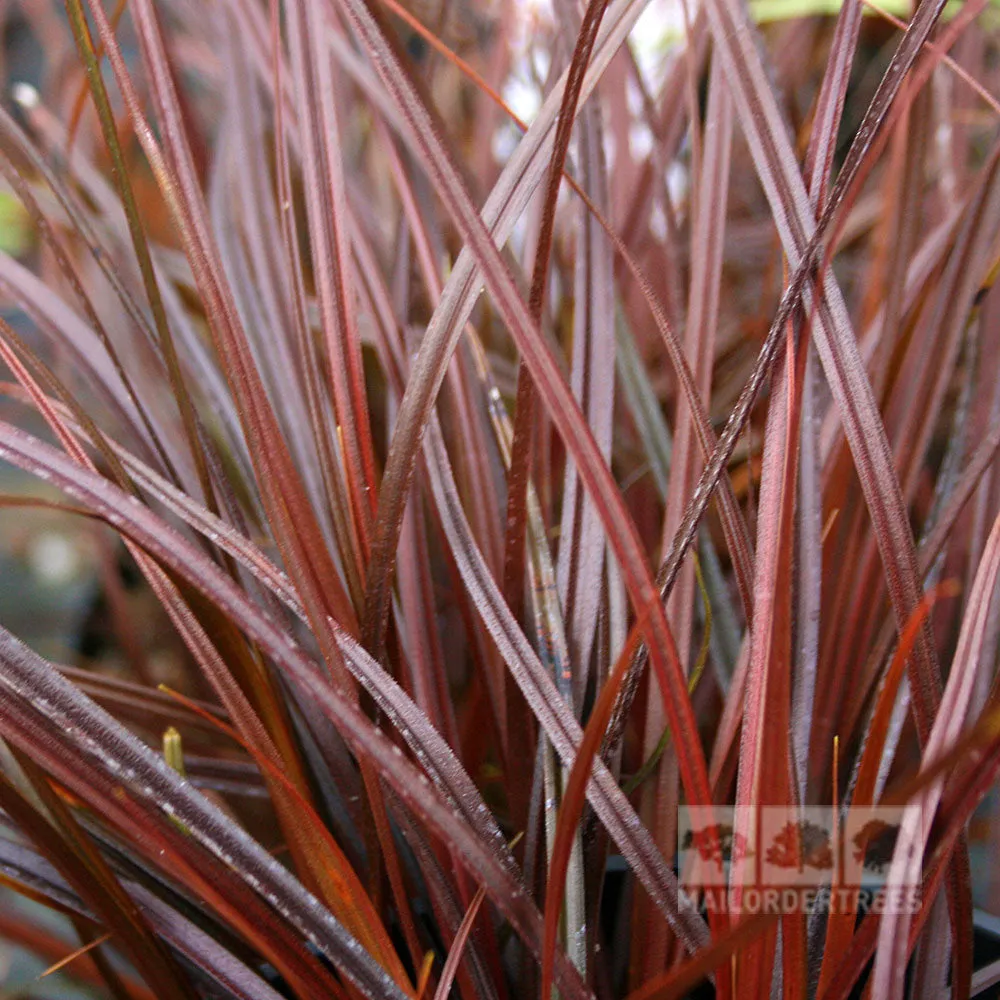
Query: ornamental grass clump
529,474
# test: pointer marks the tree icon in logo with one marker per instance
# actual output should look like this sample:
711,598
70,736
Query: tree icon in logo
874,844
717,844
801,845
